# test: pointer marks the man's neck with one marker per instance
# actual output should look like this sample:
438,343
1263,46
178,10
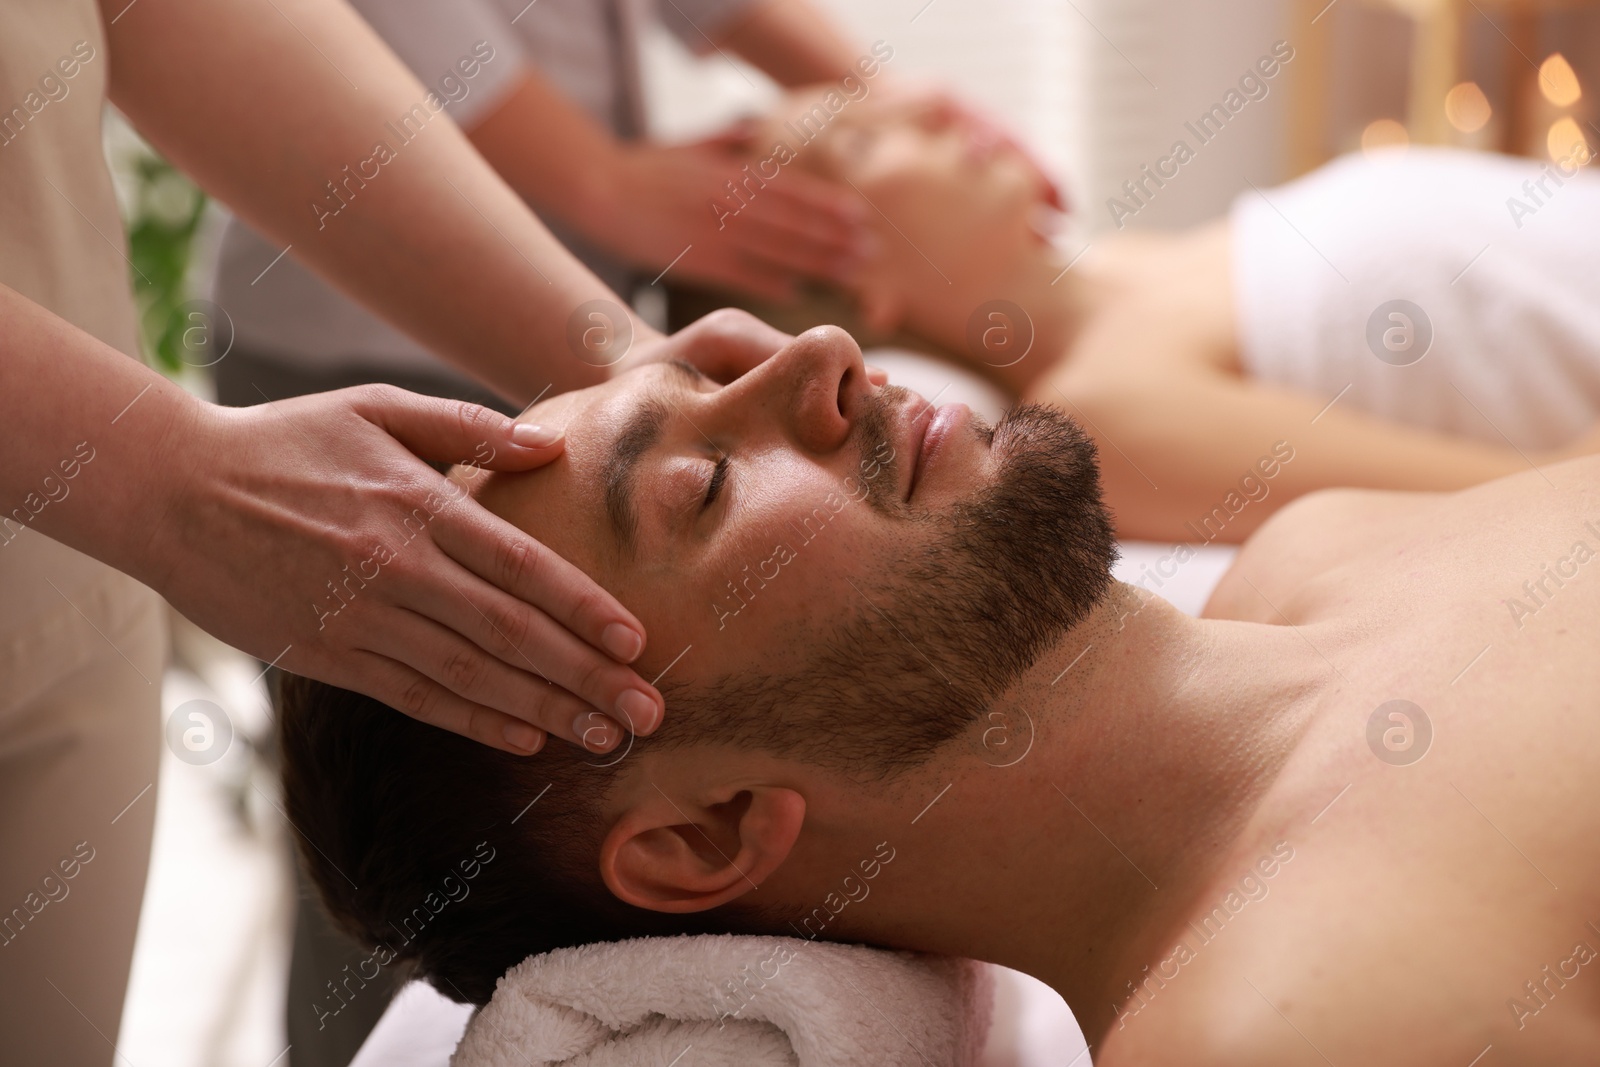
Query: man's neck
1105,799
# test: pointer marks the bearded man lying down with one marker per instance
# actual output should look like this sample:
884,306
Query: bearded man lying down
1348,816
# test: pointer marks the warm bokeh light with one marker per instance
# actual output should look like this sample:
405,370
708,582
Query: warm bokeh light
1467,108
1565,141
1558,82
1382,134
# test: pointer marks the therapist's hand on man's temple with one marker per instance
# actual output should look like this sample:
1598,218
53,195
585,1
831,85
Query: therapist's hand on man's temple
312,523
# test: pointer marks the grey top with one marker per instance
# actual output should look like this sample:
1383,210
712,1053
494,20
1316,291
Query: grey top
471,53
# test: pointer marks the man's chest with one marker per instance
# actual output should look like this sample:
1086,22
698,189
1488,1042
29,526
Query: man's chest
1436,888
1391,931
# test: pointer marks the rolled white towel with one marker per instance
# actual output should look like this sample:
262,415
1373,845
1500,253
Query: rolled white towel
736,1002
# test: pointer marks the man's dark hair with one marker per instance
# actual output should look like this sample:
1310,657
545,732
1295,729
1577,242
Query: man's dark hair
412,836
457,861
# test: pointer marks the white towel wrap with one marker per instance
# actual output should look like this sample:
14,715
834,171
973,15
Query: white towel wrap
1510,288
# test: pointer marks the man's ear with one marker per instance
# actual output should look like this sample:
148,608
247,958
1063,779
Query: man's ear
686,854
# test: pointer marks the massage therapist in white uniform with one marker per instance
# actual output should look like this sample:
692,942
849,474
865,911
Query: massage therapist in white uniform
117,487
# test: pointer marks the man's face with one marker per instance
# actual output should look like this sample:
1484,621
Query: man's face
677,494
751,525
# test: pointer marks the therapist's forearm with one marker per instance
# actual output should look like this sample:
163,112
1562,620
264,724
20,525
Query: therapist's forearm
89,438
553,153
266,103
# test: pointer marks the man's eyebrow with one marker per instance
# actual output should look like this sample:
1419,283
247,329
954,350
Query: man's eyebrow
642,433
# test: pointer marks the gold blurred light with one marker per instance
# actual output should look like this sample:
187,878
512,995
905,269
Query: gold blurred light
1565,141
1558,82
1467,108
1382,134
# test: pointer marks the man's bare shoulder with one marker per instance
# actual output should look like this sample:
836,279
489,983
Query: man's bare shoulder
1201,1030
1308,538
1307,546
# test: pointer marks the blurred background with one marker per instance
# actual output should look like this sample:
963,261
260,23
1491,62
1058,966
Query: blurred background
1099,88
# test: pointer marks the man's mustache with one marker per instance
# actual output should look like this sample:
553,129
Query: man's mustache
869,435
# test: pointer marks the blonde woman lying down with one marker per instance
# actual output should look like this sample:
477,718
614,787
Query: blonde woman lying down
1421,320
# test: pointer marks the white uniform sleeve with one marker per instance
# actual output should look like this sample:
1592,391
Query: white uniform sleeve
467,51
694,22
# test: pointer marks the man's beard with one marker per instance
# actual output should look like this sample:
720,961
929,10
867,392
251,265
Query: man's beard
960,617
941,628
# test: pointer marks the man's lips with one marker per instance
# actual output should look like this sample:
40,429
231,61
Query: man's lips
926,428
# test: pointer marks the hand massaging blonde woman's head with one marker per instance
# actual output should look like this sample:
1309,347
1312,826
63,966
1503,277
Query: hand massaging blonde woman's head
956,221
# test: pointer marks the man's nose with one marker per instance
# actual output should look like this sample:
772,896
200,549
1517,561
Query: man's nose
812,387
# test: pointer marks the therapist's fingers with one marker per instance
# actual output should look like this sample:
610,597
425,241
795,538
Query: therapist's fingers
785,242
439,429
456,431
406,690
523,641
937,107
738,137
312,536
504,556
445,657
808,225
760,277
724,344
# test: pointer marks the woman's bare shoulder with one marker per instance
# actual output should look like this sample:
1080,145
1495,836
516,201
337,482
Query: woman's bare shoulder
1170,308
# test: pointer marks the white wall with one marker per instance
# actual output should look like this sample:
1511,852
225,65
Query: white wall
1152,65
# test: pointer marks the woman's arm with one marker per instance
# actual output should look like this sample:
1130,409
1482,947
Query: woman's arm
1191,452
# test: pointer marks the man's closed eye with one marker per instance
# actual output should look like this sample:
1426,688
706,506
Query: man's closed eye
719,475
